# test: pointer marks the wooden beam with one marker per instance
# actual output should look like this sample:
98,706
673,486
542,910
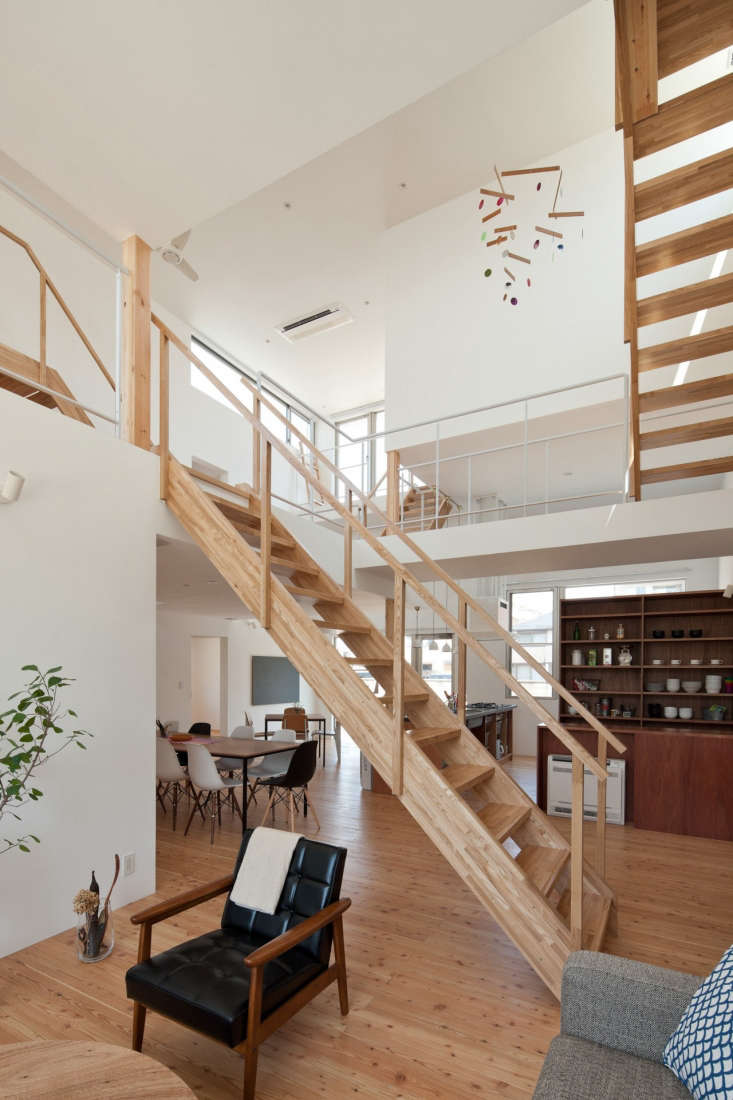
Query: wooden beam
688,31
715,342
687,299
136,366
398,686
695,112
687,244
687,433
630,321
705,468
164,414
393,486
266,535
461,693
691,182
576,857
703,389
638,26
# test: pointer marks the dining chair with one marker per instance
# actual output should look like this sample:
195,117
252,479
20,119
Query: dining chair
292,786
206,779
275,763
171,777
233,764
201,729
295,720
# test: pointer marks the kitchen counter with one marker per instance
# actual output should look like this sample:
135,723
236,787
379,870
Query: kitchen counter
493,724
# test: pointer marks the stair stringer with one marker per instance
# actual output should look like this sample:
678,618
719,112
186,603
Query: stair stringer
486,866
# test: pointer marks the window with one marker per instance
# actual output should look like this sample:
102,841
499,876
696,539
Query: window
531,622
432,657
364,461
232,376
643,588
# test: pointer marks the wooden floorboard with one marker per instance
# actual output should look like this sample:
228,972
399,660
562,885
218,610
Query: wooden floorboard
442,1004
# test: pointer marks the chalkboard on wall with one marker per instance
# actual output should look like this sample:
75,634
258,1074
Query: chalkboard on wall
274,680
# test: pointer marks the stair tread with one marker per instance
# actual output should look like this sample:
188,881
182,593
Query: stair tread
463,776
693,181
296,566
686,299
670,397
409,697
501,818
284,542
703,468
370,662
241,511
685,34
596,911
429,735
345,628
715,342
687,433
314,594
685,116
688,244
542,865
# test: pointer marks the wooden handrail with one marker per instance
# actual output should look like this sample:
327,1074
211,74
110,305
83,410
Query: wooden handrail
46,282
399,569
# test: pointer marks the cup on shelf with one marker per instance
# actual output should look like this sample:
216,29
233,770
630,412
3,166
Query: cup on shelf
673,684
670,712
713,684
685,712
675,661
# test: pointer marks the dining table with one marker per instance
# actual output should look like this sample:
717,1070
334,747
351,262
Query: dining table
243,749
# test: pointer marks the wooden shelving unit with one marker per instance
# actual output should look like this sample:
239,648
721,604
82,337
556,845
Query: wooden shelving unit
627,685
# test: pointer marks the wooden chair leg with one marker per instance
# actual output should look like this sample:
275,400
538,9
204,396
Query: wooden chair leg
267,807
218,806
291,811
250,1074
138,1025
309,802
339,951
196,806
159,795
175,804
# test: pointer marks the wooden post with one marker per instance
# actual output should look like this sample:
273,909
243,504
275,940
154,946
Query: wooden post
136,367
393,486
463,620
389,619
163,415
576,857
42,353
601,822
630,322
256,446
266,532
348,539
398,685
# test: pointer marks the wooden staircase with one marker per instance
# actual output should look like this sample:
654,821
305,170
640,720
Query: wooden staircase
654,39
503,846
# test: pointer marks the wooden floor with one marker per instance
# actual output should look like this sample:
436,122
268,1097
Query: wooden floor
442,1005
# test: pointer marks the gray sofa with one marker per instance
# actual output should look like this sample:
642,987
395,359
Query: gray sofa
617,1016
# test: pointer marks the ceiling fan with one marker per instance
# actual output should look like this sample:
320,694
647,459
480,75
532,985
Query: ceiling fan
173,254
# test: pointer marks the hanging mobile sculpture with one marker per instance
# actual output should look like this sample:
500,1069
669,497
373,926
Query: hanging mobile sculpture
500,234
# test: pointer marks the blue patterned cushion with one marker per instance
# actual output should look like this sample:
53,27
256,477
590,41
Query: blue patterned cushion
700,1052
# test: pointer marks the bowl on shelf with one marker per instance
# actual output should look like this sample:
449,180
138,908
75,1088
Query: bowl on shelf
676,661
673,684
677,633
658,634
691,686
655,688
713,684
670,712
696,633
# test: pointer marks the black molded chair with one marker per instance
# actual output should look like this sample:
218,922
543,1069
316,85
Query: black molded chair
240,982
292,787
201,729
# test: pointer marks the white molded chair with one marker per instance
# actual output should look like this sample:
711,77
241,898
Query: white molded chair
232,764
206,779
171,776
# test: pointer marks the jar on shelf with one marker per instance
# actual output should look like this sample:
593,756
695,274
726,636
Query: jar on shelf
576,657
620,631
591,633
625,656
592,657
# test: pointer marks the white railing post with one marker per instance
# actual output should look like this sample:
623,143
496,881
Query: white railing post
576,856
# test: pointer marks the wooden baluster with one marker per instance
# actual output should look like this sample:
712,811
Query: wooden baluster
393,486
398,685
163,415
42,376
576,857
266,532
601,824
348,539
256,444
463,620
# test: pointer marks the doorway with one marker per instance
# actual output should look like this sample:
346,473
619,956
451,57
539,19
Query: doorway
209,682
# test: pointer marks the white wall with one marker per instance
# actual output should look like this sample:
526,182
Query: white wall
175,632
78,555
452,344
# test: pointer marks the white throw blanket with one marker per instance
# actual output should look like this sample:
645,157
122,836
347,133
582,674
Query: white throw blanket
264,869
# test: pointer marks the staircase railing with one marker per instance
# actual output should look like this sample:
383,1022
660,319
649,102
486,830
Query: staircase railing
46,286
264,442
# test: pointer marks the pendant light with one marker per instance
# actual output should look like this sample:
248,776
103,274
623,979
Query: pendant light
447,648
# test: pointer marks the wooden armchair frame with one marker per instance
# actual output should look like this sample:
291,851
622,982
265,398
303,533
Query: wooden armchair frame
257,1029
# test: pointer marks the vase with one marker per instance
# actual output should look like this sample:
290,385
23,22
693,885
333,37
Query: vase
95,937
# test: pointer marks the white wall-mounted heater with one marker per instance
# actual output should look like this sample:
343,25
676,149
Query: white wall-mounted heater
560,790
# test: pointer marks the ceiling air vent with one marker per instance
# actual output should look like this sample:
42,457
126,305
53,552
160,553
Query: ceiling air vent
319,320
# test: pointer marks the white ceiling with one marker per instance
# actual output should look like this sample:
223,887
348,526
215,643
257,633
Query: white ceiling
152,117
262,263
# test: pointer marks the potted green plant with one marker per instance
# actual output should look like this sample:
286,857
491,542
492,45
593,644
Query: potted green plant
31,734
